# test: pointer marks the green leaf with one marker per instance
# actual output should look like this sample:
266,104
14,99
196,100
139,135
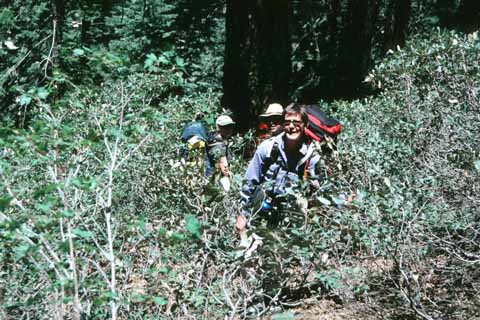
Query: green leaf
163,60
141,224
324,201
177,237
284,316
476,163
138,298
44,190
387,182
432,19
179,62
160,301
21,251
109,295
117,133
150,61
193,226
85,184
42,93
163,270
5,202
81,233
78,52
44,207
64,246
25,100
67,213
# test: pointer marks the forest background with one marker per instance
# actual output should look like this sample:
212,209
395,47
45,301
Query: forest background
100,220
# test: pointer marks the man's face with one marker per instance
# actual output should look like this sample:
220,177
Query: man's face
293,127
274,125
226,131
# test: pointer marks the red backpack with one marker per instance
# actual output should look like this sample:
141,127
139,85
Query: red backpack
319,125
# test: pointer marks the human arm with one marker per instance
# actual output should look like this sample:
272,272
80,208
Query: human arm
253,177
223,166
217,154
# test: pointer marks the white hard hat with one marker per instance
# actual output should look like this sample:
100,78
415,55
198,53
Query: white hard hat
224,120
274,109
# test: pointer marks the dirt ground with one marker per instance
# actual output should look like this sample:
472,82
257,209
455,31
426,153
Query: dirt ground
329,310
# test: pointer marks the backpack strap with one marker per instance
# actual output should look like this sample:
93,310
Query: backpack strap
305,169
305,163
272,157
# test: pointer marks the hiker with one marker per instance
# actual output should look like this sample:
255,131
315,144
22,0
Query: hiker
270,125
194,138
273,118
217,154
280,160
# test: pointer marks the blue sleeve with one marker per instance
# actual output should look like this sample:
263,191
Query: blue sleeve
253,175
313,165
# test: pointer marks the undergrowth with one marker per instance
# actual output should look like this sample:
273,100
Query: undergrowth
97,210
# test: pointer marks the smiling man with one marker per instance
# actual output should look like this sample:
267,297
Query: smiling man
279,162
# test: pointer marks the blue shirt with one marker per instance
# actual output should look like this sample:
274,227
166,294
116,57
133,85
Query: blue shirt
282,172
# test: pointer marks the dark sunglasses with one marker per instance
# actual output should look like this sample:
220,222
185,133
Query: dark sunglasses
296,123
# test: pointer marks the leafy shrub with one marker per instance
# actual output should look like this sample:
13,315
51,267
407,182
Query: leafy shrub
82,188
97,210
411,150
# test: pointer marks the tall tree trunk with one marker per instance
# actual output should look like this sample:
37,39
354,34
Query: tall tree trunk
445,10
469,15
398,15
106,8
236,92
257,57
272,43
333,16
373,14
355,48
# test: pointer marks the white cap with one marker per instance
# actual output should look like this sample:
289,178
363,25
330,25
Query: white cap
223,121
274,109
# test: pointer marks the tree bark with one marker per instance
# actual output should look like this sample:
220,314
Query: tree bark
445,10
106,7
273,54
398,15
257,57
236,92
58,12
469,15
355,47
58,17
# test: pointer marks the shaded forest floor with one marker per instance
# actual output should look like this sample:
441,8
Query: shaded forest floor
379,302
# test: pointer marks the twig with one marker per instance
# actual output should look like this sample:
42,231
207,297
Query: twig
204,263
225,292
214,296
48,59
15,66
132,151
